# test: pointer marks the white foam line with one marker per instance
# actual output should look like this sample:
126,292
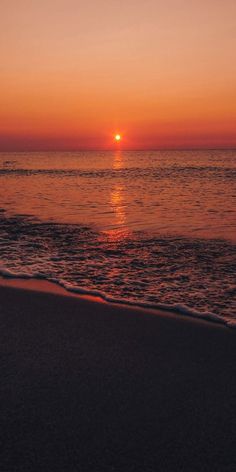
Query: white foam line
176,308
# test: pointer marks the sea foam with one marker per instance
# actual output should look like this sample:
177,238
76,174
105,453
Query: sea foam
174,308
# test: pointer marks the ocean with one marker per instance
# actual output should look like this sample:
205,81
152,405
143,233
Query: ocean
149,228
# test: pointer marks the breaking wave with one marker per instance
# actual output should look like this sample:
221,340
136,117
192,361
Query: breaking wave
195,277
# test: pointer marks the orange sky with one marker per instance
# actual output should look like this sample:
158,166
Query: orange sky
75,72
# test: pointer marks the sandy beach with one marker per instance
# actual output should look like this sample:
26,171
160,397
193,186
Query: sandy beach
88,386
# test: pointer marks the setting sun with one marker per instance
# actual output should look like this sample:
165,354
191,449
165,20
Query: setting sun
117,137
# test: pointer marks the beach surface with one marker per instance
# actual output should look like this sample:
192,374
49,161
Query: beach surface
89,386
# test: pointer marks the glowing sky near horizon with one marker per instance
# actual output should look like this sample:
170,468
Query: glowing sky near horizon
74,73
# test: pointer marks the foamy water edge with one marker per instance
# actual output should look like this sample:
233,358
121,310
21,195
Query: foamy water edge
175,308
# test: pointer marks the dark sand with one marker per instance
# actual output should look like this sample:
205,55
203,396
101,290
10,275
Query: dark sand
87,386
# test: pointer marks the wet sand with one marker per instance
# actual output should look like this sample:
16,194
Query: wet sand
88,386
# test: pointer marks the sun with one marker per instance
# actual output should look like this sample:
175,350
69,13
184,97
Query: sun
117,137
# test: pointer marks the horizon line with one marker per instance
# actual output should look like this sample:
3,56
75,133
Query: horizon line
210,148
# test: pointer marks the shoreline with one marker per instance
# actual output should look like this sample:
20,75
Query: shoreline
46,286
95,386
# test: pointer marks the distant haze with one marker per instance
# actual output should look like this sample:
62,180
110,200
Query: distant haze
160,73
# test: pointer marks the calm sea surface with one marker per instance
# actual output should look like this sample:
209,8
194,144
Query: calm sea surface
153,228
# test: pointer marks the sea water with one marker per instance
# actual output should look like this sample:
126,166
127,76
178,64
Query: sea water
151,228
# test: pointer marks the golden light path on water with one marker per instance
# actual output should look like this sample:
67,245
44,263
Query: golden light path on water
118,203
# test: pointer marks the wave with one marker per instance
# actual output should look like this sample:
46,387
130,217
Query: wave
149,172
191,276
175,308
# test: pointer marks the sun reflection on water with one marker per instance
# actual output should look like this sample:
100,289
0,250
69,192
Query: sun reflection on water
118,206
117,202
118,161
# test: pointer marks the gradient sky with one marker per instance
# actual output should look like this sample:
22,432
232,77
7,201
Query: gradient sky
75,72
